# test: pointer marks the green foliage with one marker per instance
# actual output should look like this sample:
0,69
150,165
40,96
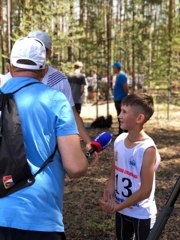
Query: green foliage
139,34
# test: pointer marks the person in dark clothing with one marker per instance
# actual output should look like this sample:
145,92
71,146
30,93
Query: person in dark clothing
77,83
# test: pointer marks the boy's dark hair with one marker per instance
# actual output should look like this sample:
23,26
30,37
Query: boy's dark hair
143,101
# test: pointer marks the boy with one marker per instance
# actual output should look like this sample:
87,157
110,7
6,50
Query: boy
132,177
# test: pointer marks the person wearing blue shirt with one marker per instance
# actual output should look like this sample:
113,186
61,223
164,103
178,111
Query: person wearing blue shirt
120,89
58,81
47,120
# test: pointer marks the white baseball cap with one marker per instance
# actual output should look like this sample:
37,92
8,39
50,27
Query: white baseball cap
28,49
43,36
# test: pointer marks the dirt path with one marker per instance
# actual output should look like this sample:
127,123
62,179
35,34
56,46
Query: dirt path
82,216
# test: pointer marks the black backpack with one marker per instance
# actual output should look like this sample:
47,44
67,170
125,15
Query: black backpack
102,122
15,172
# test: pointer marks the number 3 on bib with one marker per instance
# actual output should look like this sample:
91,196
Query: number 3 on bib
127,184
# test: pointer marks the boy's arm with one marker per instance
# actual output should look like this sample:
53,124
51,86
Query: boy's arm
147,174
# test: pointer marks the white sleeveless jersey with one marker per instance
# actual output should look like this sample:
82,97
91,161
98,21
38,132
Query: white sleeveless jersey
128,163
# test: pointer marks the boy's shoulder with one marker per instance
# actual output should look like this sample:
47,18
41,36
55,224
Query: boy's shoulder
148,140
148,143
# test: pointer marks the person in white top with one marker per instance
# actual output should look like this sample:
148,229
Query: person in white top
58,81
130,189
1,80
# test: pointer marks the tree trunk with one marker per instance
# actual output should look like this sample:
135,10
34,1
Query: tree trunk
69,48
81,23
133,48
170,32
109,40
9,18
1,37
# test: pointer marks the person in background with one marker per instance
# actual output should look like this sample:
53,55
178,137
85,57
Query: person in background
139,81
92,84
132,179
84,96
129,81
120,89
4,77
35,212
58,81
77,82
1,79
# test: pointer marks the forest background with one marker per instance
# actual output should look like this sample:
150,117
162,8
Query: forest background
143,34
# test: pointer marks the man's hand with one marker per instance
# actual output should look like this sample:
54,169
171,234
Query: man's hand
84,135
95,155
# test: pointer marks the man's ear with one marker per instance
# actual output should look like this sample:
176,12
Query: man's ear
42,73
48,53
140,118
11,70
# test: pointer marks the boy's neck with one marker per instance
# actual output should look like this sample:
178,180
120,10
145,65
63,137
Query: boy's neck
135,135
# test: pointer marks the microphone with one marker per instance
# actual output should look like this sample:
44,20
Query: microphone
101,142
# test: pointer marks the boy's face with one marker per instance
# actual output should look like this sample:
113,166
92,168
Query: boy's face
130,117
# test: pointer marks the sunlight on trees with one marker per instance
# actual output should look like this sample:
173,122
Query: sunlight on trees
144,35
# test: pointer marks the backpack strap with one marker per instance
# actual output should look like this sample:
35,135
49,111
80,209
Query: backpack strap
31,83
5,96
50,159
9,94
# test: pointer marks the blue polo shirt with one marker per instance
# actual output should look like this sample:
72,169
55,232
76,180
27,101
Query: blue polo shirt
45,114
118,90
